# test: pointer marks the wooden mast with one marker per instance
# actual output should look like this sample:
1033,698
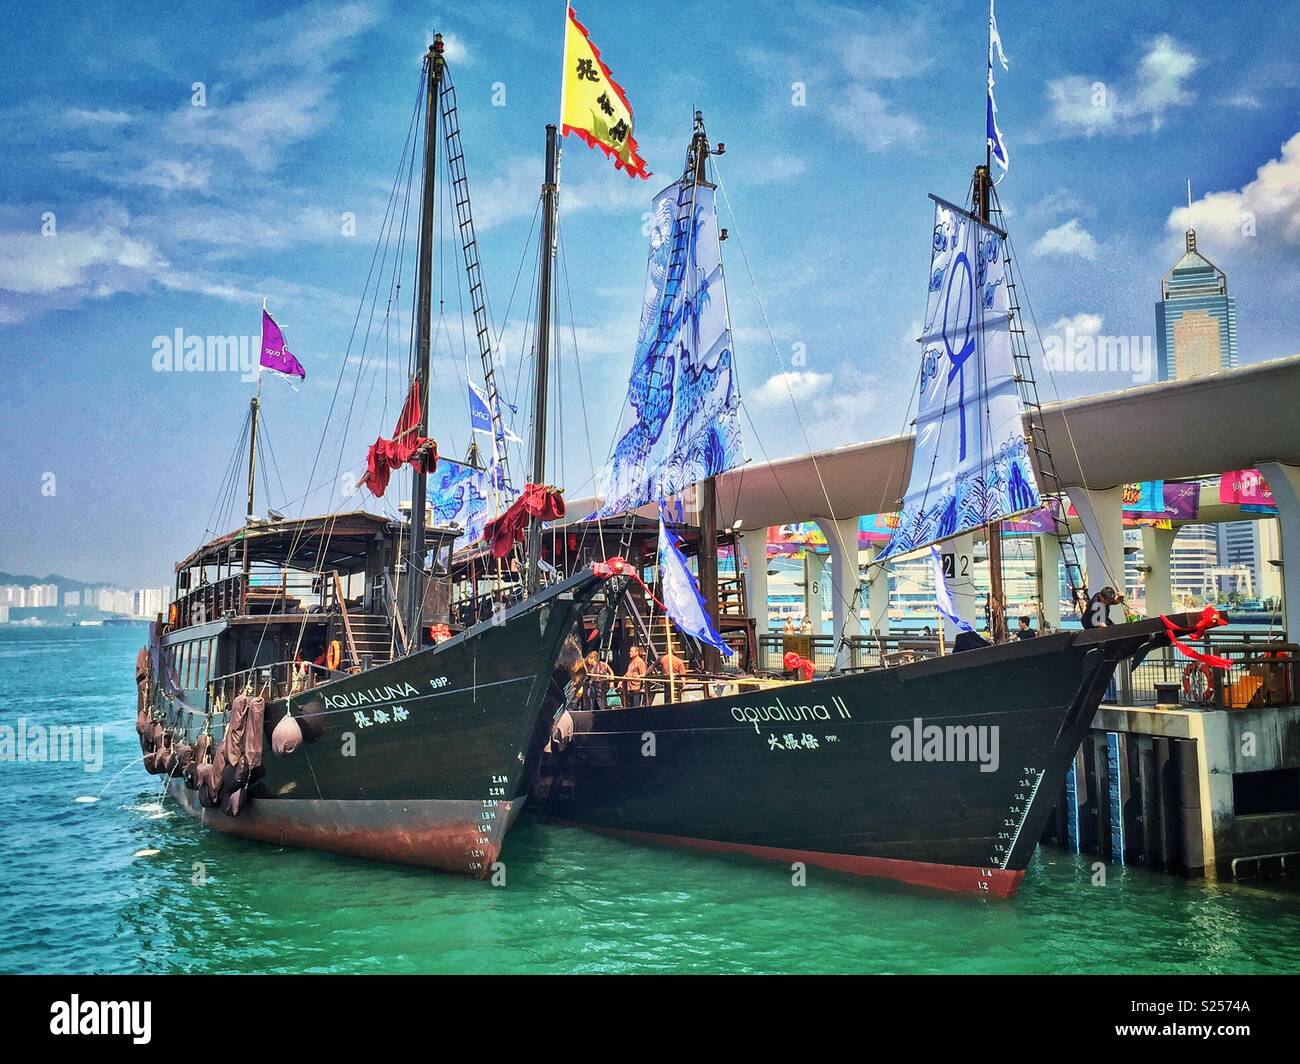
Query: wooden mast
415,563
254,406
707,559
550,192
982,194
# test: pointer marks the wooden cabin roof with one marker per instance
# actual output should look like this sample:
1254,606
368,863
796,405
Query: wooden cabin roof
327,541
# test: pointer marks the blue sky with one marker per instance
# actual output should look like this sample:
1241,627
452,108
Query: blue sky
168,216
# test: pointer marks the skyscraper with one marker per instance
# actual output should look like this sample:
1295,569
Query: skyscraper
1196,319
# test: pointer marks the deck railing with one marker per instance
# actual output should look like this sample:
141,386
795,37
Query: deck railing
288,591
276,680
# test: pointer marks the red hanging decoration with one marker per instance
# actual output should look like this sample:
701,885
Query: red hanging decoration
405,446
539,501
1209,618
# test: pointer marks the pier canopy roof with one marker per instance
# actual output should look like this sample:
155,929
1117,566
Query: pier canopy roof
1168,430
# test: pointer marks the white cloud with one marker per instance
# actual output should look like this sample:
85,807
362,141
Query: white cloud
780,388
1267,208
76,116
1081,324
1069,238
1130,104
871,120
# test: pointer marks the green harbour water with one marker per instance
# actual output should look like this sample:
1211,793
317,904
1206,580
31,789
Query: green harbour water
76,898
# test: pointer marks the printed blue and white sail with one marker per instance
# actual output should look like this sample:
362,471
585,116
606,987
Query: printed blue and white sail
970,465
682,424
682,598
464,495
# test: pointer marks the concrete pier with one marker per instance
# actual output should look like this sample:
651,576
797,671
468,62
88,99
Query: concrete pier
1211,793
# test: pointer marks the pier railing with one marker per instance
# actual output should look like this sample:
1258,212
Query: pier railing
1263,673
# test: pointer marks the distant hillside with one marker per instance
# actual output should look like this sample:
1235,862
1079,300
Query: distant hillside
64,583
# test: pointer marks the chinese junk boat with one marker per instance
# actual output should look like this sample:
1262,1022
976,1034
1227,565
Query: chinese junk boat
937,772
309,687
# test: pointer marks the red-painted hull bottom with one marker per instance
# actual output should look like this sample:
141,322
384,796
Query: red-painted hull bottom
990,882
450,836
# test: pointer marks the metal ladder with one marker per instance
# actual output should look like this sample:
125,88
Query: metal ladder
469,250
1053,494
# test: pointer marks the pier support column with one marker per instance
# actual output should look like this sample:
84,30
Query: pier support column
878,593
814,574
1047,554
753,547
1101,510
842,538
1157,545
1285,482
961,584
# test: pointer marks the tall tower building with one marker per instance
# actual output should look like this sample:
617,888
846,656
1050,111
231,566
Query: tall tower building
1196,319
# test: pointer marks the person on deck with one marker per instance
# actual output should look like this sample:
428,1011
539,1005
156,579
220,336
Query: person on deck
675,668
633,685
789,627
598,674
1097,612
1023,631
805,628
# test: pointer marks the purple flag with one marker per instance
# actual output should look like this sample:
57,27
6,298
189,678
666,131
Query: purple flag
274,354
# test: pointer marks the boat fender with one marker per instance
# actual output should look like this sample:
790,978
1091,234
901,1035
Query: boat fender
197,762
311,719
287,737
334,656
209,777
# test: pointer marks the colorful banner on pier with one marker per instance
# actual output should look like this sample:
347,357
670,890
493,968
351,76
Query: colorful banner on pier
592,105
791,541
971,463
1248,489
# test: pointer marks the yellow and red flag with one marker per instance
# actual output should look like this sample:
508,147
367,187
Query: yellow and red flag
594,106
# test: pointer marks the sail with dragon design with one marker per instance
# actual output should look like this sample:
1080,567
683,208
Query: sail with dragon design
684,423
970,465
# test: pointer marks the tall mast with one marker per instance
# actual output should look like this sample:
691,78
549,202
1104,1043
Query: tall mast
982,190
550,191
254,406
707,560
424,307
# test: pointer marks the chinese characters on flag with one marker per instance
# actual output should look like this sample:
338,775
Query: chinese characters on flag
594,106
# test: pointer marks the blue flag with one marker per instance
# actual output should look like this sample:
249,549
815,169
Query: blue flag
682,597
997,146
480,414
942,597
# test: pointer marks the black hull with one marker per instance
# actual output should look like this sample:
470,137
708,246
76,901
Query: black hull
813,772
424,760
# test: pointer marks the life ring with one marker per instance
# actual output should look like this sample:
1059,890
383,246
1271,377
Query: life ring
172,614
334,656
1198,682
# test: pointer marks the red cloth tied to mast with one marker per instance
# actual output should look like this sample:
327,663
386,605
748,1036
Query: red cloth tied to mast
387,455
539,501
1209,618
